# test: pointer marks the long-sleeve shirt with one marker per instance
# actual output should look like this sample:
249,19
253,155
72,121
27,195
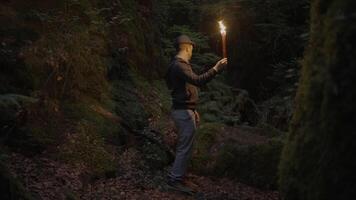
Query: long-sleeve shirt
184,82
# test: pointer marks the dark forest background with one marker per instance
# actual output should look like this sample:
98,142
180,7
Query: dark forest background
84,110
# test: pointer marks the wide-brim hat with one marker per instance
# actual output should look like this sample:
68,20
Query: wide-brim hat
183,39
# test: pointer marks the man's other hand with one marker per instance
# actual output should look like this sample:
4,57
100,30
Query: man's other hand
220,65
197,118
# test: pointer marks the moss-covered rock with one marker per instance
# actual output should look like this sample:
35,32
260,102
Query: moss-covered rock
253,164
128,105
95,114
85,147
205,138
244,153
11,105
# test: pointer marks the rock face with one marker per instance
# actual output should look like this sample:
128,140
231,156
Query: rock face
11,104
319,157
12,109
248,154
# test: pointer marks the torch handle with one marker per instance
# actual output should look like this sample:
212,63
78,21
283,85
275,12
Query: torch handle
224,54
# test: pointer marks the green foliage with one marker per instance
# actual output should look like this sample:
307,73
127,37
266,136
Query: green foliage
198,38
61,54
176,12
66,62
219,103
163,96
87,148
277,112
207,60
57,51
128,106
286,75
201,54
153,95
262,36
142,39
155,157
206,136
76,69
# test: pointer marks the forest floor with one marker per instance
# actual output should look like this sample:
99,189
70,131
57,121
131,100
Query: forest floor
48,178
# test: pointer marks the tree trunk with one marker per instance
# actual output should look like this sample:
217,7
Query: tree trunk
319,158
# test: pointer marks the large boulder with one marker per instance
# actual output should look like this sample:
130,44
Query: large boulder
248,154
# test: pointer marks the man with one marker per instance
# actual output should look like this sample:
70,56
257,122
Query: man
184,82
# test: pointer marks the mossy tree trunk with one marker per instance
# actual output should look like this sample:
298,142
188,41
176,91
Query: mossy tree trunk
319,159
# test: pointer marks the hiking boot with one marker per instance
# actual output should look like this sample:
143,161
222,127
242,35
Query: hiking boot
180,187
190,184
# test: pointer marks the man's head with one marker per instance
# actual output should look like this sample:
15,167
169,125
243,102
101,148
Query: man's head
184,46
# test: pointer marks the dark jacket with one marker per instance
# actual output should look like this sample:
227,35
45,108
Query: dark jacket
183,82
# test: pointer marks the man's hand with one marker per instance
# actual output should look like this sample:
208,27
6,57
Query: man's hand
197,118
220,65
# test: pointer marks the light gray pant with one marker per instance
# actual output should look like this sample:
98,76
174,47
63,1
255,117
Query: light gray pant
186,125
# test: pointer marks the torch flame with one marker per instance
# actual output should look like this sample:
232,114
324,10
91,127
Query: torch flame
222,27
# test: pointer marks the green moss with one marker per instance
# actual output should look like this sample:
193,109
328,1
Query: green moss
128,105
138,98
86,112
144,48
154,95
44,135
85,147
164,95
154,156
205,138
254,164
317,161
65,75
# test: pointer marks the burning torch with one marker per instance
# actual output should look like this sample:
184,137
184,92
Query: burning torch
223,38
